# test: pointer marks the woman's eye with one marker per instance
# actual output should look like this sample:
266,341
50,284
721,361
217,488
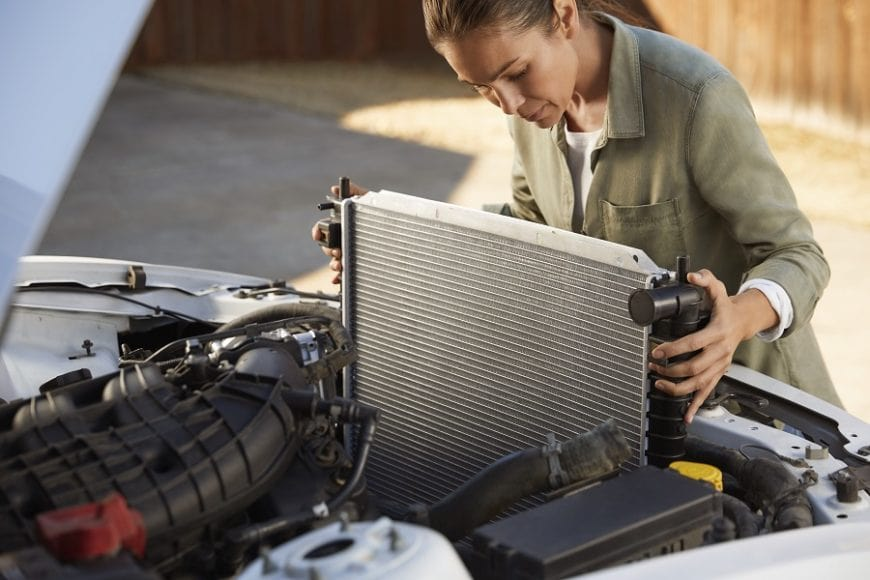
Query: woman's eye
519,75
479,89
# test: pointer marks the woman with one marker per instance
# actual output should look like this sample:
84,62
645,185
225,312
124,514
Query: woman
632,136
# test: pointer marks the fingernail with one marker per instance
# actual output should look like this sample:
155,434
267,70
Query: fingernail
657,353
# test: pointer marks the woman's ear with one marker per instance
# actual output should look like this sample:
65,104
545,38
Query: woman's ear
565,17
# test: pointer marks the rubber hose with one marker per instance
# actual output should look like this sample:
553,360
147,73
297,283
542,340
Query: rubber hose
326,367
279,312
774,485
524,473
738,512
238,540
768,483
726,459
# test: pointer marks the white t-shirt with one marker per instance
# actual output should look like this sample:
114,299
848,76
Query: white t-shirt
580,147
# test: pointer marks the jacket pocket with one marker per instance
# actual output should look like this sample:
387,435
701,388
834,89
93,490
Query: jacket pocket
653,228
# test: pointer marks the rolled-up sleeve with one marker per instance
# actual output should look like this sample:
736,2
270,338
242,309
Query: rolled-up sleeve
736,173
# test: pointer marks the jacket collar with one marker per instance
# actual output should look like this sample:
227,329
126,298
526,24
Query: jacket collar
624,115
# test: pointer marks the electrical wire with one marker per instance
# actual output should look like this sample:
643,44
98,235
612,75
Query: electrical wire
795,462
293,291
175,314
82,290
296,321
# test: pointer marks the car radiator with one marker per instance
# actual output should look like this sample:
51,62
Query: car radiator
480,334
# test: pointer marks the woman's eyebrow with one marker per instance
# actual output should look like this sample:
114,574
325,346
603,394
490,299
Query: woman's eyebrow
498,73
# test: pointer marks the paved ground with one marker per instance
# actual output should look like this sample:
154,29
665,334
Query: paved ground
192,178
183,177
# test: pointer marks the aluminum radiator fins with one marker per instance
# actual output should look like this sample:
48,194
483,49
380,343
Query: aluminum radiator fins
479,334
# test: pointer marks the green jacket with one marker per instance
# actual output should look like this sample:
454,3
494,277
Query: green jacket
682,168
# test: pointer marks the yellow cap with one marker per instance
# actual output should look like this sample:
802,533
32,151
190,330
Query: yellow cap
699,471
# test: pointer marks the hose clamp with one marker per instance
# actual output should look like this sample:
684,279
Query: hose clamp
551,451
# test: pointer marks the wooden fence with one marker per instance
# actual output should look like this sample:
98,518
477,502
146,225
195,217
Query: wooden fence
806,62
202,31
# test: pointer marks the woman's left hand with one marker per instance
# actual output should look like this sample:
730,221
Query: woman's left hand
733,319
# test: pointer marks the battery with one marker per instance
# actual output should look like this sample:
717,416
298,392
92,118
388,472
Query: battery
640,514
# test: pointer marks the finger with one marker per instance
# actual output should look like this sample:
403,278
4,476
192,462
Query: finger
697,400
336,279
335,265
706,279
706,358
689,343
682,389
709,384
674,388
316,234
355,190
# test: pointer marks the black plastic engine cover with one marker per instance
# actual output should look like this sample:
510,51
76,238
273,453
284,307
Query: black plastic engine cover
183,458
638,515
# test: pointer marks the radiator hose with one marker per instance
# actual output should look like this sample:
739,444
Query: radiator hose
769,484
745,522
523,473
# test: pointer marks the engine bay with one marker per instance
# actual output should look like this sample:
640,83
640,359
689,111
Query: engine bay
222,445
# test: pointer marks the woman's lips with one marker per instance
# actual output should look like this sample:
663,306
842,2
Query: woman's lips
536,116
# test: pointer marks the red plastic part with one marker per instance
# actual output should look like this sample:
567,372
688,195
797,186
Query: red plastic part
92,530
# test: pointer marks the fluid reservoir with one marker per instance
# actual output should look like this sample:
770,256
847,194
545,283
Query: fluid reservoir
699,471
383,549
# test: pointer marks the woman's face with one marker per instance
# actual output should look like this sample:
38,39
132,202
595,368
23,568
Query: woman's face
530,74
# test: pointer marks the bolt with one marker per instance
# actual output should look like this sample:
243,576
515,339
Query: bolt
269,565
396,542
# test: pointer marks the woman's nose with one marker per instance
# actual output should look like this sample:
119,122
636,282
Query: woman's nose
509,100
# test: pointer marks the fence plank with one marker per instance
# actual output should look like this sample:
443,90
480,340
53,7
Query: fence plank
805,61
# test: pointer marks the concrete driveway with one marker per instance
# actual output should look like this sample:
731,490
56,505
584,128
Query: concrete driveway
184,177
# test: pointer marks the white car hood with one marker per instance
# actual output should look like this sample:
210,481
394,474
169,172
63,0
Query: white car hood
59,62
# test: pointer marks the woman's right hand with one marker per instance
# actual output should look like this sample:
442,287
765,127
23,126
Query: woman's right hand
335,253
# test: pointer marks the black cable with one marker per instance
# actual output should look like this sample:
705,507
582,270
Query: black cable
82,290
225,332
284,290
799,462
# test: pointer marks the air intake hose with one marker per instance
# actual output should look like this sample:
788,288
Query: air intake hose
524,473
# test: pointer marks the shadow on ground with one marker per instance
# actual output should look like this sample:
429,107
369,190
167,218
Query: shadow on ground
189,178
